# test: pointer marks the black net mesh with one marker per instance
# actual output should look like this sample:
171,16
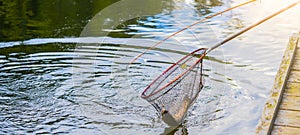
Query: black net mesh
173,92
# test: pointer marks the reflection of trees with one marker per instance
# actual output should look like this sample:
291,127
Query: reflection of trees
13,15
24,19
204,6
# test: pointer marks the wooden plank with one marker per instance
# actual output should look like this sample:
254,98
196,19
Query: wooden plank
293,89
288,118
290,103
282,130
296,64
297,56
294,76
298,46
269,113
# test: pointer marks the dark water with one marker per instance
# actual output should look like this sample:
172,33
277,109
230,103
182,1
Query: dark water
63,70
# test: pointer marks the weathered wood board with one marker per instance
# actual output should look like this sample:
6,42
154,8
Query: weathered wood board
288,118
294,76
283,130
281,114
293,89
290,103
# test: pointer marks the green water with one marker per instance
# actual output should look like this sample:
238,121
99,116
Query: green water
26,19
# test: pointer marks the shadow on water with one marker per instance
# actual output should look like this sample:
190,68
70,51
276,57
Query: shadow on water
180,130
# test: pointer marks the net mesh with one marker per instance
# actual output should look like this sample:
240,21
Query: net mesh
176,88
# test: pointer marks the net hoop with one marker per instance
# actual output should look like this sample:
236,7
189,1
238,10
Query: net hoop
158,90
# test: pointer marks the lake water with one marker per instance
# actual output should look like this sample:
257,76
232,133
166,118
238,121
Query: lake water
64,69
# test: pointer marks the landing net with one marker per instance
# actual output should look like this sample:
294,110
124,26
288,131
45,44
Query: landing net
174,91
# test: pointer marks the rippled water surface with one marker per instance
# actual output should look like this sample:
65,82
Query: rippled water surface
64,70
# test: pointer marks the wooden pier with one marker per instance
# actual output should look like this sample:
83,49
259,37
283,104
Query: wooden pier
281,114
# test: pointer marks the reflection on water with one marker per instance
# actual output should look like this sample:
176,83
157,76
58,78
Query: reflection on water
28,19
52,81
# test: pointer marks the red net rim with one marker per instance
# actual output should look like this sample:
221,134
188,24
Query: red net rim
144,96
